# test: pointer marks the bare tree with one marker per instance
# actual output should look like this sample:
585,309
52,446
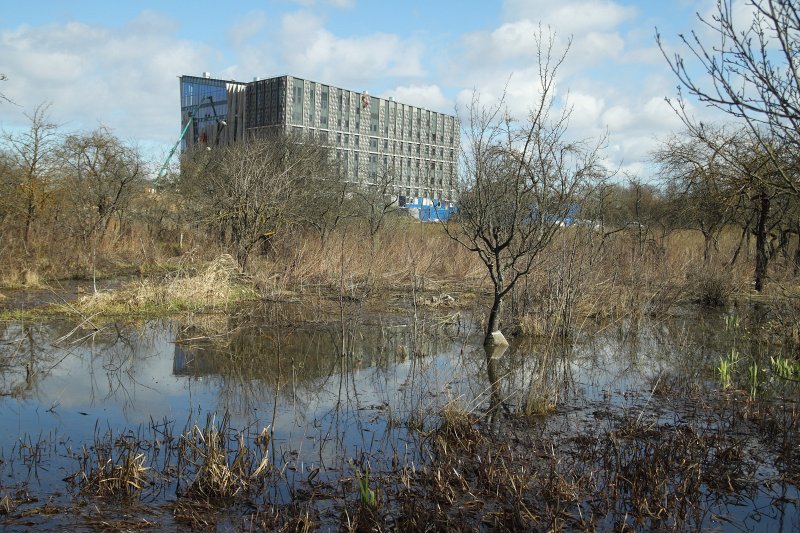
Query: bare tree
101,176
3,77
324,202
375,200
703,183
751,72
523,180
31,158
250,190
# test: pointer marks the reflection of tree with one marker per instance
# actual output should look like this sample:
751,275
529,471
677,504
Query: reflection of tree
493,353
252,362
22,362
29,354
26,357
530,377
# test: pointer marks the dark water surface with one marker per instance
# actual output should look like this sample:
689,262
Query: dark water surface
342,391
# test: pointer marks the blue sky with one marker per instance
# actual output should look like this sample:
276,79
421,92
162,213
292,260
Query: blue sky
116,63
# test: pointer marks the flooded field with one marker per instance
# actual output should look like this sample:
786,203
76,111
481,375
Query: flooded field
278,418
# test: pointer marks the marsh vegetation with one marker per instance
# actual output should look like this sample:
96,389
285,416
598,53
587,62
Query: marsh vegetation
252,342
279,416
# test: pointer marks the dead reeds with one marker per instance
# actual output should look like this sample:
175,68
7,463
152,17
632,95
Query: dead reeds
207,286
120,475
222,465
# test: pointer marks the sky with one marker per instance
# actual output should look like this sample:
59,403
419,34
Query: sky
116,64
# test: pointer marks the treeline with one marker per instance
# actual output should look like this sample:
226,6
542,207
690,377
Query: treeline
66,197
721,182
85,204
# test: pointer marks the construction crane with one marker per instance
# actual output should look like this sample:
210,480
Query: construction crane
192,115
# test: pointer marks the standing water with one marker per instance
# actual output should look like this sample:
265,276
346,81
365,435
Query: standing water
260,418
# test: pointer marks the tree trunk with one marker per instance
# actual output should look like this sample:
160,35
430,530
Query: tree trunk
783,244
762,256
493,323
708,241
797,257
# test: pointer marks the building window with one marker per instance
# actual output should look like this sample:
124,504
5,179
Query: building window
373,167
297,104
312,101
375,109
323,106
340,110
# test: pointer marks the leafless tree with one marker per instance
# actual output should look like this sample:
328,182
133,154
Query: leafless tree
252,190
750,71
324,202
703,183
101,175
31,159
375,200
3,77
523,180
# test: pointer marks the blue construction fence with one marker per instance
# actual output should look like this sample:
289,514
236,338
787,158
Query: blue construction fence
427,210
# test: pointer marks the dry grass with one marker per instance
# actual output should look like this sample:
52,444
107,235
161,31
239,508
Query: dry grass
215,285
225,466
584,277
405,253
21,278
122,478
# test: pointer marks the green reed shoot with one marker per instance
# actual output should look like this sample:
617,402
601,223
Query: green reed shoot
753,373
731,323
367,495
727,367
785,368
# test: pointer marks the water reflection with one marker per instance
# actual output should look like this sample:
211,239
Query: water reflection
331,391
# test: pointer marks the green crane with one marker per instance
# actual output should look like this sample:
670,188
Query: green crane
192,113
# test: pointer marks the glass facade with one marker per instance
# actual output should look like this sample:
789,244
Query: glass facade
207,99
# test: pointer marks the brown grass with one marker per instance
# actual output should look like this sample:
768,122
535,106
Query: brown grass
225,466
212,285
405,253
106,477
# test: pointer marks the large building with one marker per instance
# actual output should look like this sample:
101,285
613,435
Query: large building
373,138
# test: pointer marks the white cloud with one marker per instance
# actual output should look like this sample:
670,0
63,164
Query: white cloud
122,77
618,117
586,109
593,47
657,114
571,17
248,26
518,91
427,96
312,51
